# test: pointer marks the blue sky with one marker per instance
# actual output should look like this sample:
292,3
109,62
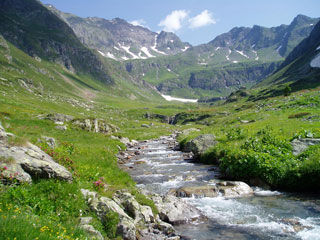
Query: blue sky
194,21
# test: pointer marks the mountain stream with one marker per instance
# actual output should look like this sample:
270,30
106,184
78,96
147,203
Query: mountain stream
158,167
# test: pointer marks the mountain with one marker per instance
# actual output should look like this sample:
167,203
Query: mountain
241,57
40,54
29,26
256,43
119,40
300,70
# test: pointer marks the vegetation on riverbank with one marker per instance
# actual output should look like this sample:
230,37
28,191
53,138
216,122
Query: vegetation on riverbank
254,140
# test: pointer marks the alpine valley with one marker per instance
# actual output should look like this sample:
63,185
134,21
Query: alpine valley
109,130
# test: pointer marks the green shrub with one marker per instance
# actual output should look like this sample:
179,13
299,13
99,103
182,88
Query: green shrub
235,134
287,90
270,158
61,154
110,223
306,134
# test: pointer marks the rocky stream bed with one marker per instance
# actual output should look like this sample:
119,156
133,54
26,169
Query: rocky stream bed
227,209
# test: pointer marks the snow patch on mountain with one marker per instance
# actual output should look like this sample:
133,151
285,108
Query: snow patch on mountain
255,52
127,49
108,55
142,57
169,98
154,47
146,51
278,49
242,53
315,63
185,48
227,57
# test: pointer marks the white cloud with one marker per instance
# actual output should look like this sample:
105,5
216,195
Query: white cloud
139,22
203,19
173,21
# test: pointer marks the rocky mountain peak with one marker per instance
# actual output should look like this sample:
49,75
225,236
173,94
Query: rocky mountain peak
119,40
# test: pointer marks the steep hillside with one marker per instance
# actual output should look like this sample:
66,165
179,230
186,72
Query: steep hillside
119,40
28,25
300,70
51,43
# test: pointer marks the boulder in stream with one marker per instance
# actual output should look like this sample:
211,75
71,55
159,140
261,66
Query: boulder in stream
175,211
228,189
200,145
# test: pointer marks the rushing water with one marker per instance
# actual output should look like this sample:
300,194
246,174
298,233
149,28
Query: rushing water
266,215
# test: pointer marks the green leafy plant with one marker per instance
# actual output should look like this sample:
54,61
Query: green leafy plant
235,134
110,223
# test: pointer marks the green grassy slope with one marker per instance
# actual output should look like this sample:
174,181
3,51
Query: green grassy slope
32,28
29,88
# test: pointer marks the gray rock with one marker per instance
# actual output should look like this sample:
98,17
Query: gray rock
133,217
247,121
26,162
166,228
3,134
145,125
103,205
126,229
89,195
300,145
85,220
63,128
139,213
147,214
95,234
296,224
200,145
175,211
50,141
96,125
228,189
85,225
198,192
124,140
57,117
